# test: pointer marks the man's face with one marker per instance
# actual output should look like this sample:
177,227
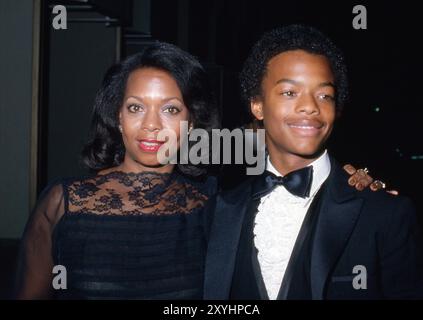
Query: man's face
297,104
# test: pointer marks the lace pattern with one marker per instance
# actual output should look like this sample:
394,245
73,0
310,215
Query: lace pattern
120,193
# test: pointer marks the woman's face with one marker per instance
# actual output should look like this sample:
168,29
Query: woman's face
152,102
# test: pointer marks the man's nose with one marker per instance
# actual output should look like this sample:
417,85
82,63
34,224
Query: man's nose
308,104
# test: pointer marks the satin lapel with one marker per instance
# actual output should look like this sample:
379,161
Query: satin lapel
301,241
338,215
223,242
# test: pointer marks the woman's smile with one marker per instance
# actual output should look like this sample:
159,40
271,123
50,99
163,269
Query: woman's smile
150,145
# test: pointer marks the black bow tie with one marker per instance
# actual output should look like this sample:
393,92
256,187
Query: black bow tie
297,182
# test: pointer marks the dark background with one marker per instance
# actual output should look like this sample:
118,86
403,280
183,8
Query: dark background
380,128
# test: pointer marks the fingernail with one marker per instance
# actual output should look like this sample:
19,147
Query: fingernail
353,181
359,186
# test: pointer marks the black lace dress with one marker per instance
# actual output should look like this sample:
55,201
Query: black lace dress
119,236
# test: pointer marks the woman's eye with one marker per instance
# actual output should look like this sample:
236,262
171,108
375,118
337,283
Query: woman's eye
171,110
288,93
134,108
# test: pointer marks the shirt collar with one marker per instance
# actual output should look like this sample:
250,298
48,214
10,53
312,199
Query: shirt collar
321,171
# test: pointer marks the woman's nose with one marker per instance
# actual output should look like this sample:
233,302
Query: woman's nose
152,121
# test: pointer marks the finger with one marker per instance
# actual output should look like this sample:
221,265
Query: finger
369,180
364,180
361,173
350,169
375,186
352,181
359,186
393,192
358,177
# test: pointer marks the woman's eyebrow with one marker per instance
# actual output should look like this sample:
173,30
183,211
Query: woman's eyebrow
164,99
134,97
172,98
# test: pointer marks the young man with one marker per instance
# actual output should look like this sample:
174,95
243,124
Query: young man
298,231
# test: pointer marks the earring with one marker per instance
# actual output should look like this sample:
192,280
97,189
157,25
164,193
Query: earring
190,129
120,128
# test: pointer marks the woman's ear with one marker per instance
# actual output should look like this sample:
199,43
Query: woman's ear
120,121
190,124
256,106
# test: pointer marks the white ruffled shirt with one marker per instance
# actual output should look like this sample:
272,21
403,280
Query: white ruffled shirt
278,223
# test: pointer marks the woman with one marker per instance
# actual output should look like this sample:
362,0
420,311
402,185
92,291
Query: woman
137,228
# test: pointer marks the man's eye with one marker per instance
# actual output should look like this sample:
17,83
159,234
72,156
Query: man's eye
134,108
327,97
171,110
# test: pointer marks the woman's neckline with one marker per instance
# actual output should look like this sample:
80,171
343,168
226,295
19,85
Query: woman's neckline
143,176
134,174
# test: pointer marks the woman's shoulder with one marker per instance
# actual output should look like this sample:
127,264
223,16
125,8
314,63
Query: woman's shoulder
76,191
58,188
53,200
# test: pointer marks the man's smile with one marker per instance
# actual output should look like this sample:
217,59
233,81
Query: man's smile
306,127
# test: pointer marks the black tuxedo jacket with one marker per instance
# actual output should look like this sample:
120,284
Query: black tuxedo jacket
371,229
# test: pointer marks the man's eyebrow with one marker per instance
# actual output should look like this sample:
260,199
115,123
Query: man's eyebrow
327,84
323,84
287,80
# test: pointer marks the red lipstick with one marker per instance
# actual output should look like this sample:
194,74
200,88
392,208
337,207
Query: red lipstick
149,145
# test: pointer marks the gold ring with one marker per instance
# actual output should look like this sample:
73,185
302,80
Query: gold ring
365,170
382,184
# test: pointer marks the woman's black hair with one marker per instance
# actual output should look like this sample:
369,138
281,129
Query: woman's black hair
292,37
105,147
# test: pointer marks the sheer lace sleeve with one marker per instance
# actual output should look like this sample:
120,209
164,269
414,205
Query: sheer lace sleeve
34,276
